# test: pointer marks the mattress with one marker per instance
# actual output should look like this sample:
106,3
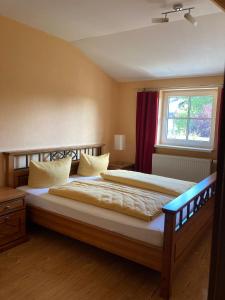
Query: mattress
148,232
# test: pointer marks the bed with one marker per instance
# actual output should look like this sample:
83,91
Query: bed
160,244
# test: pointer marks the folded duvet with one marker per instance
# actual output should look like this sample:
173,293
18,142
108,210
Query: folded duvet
131,201
165,185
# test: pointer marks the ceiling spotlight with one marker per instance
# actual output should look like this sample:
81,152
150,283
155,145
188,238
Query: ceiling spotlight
160,20
191,19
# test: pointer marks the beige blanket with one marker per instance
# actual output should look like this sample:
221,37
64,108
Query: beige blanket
165,185
131,201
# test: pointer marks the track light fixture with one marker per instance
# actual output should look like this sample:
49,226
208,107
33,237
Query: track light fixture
177,8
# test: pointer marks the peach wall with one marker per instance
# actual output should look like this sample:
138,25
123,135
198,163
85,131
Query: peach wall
127,104
50,93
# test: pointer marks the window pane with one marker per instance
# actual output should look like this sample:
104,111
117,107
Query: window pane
199,130
177,129
178,107
201,107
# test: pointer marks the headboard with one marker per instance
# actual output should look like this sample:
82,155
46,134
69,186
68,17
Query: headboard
17,162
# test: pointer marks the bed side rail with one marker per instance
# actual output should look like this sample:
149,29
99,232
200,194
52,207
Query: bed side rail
187,204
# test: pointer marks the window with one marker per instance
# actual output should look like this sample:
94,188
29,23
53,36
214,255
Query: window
188,118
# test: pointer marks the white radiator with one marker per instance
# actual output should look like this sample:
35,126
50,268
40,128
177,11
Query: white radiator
180,167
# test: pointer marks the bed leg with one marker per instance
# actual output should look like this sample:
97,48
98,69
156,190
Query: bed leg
165,287
168,256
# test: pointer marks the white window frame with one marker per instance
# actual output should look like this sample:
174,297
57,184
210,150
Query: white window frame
163,117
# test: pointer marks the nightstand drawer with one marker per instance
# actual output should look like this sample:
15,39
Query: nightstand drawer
12,226
12,205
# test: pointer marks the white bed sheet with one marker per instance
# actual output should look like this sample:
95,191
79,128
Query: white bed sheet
149,232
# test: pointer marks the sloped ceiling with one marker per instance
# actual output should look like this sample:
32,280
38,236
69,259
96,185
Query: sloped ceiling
118,34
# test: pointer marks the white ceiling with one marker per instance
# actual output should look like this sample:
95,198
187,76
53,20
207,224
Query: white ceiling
175,49
118,34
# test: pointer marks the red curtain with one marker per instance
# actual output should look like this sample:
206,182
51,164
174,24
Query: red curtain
146,129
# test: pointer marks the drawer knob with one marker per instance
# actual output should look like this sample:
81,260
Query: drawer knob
7,207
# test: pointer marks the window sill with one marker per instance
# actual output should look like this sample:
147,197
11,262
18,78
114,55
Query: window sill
185,151
183,148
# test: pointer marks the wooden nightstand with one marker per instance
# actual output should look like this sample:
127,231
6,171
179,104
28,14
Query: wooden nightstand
121,165
12,218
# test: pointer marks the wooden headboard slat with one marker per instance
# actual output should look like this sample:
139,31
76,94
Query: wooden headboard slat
19,176
48,150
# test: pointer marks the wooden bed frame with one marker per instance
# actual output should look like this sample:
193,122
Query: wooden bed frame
186,217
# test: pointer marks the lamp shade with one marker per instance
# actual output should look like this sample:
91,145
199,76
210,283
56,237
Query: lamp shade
119,141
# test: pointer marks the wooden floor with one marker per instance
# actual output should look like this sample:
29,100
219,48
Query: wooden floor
50,266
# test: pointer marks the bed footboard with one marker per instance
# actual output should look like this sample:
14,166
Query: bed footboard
186,218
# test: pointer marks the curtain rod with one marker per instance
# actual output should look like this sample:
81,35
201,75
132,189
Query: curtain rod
179,88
